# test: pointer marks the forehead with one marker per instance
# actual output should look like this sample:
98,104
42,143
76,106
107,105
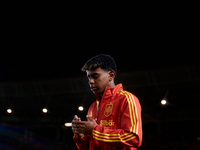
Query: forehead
95,71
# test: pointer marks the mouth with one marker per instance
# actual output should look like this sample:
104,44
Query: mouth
93,88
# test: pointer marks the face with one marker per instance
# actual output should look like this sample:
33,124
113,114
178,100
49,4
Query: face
98,80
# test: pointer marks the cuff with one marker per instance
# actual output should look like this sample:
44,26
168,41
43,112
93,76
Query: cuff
98,128
78,139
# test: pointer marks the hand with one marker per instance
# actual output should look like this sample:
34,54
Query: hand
75,127
85,127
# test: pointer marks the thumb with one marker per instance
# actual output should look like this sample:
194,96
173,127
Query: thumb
89,118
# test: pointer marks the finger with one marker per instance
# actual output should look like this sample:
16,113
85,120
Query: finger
89,118
82,122
76,130
81,126
75,117
74,121
78,124
79,131
74,126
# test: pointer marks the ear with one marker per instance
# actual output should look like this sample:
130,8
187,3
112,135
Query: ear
111,75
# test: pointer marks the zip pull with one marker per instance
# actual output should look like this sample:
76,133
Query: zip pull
97,107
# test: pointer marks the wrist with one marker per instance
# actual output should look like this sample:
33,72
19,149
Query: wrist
78,136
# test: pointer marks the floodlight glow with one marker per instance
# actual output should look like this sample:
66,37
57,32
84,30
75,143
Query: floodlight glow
68,124
80,108
163,102
44,110
9,110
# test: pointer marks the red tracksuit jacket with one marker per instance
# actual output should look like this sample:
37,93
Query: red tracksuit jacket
119,124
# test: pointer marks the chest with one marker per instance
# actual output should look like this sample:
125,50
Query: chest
107,113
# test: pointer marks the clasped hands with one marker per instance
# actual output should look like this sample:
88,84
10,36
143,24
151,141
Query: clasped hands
82,127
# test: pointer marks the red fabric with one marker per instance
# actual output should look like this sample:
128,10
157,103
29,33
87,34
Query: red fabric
119,124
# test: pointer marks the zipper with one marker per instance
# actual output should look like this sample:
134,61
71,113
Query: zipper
98,103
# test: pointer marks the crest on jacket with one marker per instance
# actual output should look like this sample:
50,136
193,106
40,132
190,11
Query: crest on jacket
108,109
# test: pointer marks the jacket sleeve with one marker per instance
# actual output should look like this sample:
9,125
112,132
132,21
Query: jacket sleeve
130,132
83,143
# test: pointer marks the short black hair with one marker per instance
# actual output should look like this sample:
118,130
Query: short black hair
105,62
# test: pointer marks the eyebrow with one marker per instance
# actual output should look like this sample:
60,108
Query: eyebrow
92,75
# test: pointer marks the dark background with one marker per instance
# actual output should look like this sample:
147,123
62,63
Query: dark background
45,44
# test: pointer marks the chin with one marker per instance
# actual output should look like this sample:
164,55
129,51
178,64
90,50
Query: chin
95,92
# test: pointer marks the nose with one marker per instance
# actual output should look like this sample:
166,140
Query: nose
91,81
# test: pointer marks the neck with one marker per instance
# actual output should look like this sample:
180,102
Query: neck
112,85
100,95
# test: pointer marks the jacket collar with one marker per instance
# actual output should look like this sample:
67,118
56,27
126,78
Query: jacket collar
111,91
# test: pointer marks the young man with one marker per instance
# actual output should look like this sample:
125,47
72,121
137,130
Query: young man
114,119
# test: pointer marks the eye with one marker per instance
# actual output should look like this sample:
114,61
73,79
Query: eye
95,77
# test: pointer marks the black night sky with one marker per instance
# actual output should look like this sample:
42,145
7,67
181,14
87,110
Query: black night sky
54,39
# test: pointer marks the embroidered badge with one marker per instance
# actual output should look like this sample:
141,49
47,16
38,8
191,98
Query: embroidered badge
108,109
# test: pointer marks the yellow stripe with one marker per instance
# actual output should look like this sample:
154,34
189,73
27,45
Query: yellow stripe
106,133
136,113
134,126
125,134
106,137
130,110
112,137
125,137
107,140
131,103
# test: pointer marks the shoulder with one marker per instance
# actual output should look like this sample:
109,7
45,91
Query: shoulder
126,94
128,97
